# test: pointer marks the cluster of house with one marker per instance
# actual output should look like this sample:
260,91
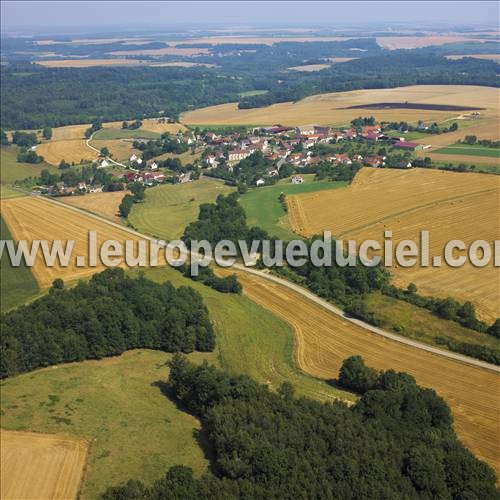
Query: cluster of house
293,146
62,189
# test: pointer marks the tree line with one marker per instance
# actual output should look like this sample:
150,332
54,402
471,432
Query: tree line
397,441
108,315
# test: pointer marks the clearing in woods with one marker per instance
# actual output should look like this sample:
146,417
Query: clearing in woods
447,204
324,340
104,204
40,465
330,108
168,209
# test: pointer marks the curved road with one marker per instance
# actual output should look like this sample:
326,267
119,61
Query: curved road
309,295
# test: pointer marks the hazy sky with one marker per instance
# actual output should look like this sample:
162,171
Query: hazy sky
68,15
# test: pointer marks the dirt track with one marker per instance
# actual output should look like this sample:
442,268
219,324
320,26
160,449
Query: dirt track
324,340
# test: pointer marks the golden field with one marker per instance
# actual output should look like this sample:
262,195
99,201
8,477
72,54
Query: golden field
447,204
40,465
310,67
323,340
88,63
69,150
38,219
415,42
120,149
488,57
330,108
103,204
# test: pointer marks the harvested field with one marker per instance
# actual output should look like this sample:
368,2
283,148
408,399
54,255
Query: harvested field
338,60
182,64
38,219
71,150
415,42
262,40
324,340
412,105
41,465
120,149
104,204
488,57
154,125
330,108
165,51
449,205
310,67
88,63
69,132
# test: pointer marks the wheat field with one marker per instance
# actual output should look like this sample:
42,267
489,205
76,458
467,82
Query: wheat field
449,205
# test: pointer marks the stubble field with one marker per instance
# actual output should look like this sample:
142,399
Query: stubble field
40,465
38,219
331,108
104,204
323,340
449,205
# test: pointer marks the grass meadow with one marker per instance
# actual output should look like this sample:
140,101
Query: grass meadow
469,150
264,209
168,209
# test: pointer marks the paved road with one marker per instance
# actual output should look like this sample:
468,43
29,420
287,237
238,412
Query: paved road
87,142
309,295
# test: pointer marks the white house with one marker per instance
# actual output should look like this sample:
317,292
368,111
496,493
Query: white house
260,182
153,165
102,163
297,179
133,158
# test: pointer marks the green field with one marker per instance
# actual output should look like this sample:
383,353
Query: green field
17,284
106,134
168,209
409,136
11,170
251,93
117,404
264,209
469,150
134,430
184,158
419,324
7,192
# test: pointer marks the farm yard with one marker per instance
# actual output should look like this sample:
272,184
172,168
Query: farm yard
323,340
449,205
37,465
168,209
333,109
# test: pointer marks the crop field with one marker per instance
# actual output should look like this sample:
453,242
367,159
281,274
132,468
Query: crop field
17,284
488,57
331,108
120,149
466,150
69,132
324,340
449,205
165,51
168,209
184,158
106,134
104,204
264,209
154,125
309,67
11,170
117,405
415,42
40,465
70,150
88,63
39,219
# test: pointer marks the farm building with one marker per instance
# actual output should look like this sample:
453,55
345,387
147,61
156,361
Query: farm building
297,179
410,146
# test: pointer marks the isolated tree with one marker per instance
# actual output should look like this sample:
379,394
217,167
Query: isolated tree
47,133
105,151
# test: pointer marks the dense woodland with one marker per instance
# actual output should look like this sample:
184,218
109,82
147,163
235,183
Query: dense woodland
104,317
35,96
396,442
